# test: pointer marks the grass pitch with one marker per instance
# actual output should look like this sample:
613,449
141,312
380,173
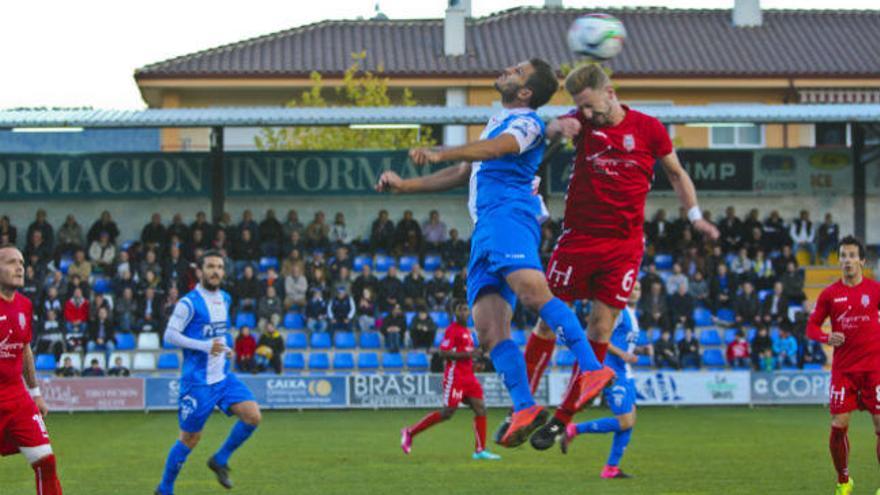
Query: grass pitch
674,451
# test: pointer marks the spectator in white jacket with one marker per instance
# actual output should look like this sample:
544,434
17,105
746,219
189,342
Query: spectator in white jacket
103,253
296,288
678,278
803,235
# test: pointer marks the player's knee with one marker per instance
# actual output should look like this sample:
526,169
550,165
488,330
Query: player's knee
446,413
840,421
253,418
626,422
190,439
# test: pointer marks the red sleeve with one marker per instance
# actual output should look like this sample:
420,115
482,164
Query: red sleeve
573,114
450,339
662,144
817,318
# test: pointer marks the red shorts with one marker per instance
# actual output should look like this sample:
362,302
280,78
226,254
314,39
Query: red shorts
855,390
21,425
458,388
587,267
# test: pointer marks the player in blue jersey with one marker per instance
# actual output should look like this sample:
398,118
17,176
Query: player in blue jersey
621,398
504,264
200,326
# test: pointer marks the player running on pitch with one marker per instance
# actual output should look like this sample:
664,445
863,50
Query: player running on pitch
597,257
852,303
504,264
21,409
621,398
459,385
200,326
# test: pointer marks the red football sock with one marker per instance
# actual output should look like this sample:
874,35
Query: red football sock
479,433
428,421
840,453
46,477
538,353
567,409
599,349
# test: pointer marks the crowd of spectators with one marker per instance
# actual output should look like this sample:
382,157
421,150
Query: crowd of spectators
88,284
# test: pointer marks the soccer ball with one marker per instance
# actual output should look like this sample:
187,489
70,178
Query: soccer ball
599,36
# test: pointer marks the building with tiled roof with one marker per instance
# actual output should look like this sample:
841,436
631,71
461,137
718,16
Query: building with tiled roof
672,56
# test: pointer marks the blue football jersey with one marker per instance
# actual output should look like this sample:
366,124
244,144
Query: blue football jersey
203,315
624,337
506,183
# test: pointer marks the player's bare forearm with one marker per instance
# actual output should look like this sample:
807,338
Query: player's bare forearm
29,371
476,151
442,180
617,351
455,356
680,180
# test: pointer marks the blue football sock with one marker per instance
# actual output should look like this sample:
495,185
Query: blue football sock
240,432
511,365
618,446
176,457
604,425
560,318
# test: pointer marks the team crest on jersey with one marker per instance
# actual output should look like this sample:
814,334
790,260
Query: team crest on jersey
629,142
865,300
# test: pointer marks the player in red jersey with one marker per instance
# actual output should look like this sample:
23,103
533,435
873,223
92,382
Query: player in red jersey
21,409
459,385
852,304
597,257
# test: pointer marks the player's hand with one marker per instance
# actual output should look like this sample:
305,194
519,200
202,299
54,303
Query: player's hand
567,128
707,229
836,339
630,357
41,406
389,181
218,347
424,156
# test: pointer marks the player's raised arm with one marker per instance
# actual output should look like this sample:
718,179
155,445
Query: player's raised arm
178,321
441,180
29,373
687,194
485,149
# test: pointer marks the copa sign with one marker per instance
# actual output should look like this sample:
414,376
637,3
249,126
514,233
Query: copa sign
791,387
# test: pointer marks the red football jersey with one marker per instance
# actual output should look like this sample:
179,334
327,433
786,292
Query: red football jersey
458,339
16,317
854,313
612,174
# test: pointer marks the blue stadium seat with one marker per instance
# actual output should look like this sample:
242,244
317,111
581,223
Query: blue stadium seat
405,263
417,361
713,358
441,318
812,367
644,361
702,317
726,314
383,263
762,294
371,340
678,335
710,337
320,340
297,340
101,284
470,322
392,361
410,316
125,341
126,245
729,335
368,361
319,361
294,361
293,321
267,262
168,361
438,338
655,334
344,340
643,338
246,320
433,262
565,358
64,264
168,346
360,261
45,362
343,361
774,333
476,338
520,337
663,261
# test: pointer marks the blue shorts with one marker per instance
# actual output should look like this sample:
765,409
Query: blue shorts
621,398
197,402
502,243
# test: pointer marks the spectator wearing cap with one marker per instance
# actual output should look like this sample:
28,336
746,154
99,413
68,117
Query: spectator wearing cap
341,311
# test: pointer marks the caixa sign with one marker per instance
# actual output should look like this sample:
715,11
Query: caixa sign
791,387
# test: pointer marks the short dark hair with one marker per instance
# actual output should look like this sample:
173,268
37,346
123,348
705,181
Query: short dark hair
8,245
542,82
852,240
211,253
455,303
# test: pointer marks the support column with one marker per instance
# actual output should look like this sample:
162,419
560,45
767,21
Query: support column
454,135
218,174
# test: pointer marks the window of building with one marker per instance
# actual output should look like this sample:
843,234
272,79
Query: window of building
736,136
832,134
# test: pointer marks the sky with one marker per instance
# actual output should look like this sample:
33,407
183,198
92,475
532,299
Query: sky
63,53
